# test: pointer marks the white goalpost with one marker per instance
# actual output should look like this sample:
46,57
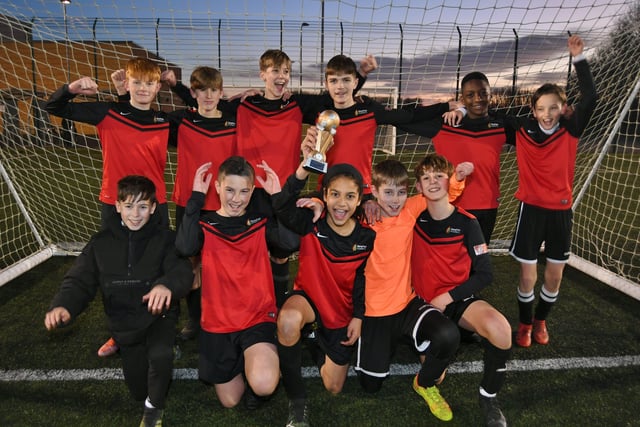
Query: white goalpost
50,170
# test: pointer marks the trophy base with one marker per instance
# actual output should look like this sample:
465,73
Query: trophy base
315,166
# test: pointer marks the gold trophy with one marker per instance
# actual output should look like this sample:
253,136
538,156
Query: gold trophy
326,124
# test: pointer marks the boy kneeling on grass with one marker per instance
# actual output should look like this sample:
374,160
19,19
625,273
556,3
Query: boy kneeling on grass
136,266
450,265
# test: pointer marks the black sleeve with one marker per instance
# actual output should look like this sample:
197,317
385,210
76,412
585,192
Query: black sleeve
312,105
430,112
298,220
511,125
189,238
481,273
358,292
178,273
589,97
230,107
59,104
175,119
399,117
184,93
80,284
428,128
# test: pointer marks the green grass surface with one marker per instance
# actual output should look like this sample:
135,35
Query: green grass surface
590,320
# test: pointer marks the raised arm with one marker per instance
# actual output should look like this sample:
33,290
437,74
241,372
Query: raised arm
189,238
118,78
584,109
183,92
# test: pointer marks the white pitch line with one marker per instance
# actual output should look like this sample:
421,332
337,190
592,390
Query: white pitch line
312,372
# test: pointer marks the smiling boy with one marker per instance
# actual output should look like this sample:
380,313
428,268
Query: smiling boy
134,263
450,265
546,148
359,118
237,340
133,135
393,311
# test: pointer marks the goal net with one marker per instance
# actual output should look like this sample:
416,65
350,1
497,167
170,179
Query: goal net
50,169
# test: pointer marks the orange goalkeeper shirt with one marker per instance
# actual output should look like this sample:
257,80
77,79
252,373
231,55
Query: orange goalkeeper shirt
388,287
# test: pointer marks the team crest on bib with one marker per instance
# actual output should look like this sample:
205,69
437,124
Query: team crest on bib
252,221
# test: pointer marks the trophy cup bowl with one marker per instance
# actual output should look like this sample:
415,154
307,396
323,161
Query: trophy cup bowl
326,123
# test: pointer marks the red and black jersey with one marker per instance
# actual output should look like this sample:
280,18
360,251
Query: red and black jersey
546,170
201,140
331,266
237,285
353,142
355,136
479,141
134,142
482,147
331,272
546,163
129,148
449,255
270,130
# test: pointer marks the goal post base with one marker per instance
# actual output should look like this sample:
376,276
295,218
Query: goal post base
605,276
31,261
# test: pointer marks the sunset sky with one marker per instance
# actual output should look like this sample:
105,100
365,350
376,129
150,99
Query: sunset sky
428,31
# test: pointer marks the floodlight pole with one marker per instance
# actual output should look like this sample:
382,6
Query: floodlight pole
66,35
304,24
67,124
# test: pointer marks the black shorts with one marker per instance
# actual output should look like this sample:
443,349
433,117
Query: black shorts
536,225
222,355
380,336
456,309
328,339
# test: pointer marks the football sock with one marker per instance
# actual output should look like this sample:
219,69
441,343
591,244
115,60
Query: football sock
545,303
525,306
280,274
291,369
148,404
495,367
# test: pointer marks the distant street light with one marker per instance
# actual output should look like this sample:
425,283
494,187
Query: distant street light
304,24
